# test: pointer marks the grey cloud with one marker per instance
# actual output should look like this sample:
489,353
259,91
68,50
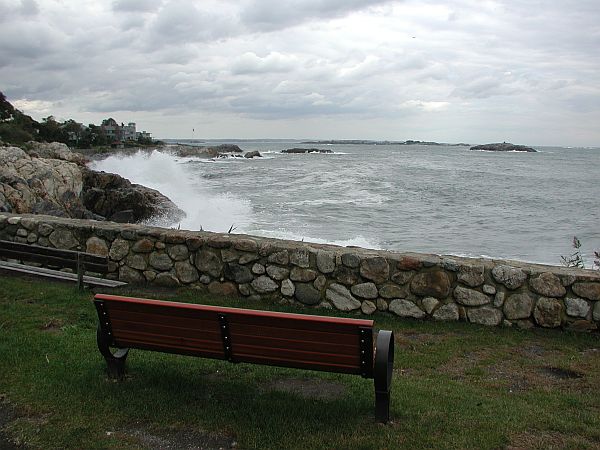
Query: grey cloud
136,6
277,14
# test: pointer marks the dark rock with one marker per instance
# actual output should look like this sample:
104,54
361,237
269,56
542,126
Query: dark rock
253,154
111,195
503,147
307,294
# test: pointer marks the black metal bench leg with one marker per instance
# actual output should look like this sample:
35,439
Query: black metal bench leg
115,361
383,369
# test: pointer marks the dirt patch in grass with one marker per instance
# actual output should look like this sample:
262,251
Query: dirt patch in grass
308,388
53,326
543,440
7,415
175,439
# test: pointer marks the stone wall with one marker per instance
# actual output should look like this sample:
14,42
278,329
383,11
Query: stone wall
420,286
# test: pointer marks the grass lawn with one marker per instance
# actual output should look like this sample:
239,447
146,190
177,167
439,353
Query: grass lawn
455,386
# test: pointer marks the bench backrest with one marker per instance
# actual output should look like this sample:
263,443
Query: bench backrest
53,256
330,344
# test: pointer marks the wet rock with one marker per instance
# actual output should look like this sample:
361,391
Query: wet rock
518,306
448,312
406,308
485,315
511,277
431,284
577,307
471,275
253,154
548,285
548,312
341,298
307,294
264,285
375,269
365,290
591,291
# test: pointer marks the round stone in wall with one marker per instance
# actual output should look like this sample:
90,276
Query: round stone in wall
406,308
518,306
548,285
287,288
591,291
341,298
486,315
448,312
96,246
375,269
471,275
264,285
431,284
368,307
307,294
548,312
577,307
470,297
186,272
63,239
160,261
365,290
511,277
325,261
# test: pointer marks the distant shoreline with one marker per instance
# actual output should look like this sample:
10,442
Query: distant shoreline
369,142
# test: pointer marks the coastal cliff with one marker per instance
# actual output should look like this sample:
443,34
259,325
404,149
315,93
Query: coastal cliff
50,179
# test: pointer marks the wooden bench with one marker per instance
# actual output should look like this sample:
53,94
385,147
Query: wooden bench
329,344
80,262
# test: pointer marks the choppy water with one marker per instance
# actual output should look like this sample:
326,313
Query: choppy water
435,199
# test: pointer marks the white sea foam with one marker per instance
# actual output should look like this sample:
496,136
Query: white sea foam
211,211
356,241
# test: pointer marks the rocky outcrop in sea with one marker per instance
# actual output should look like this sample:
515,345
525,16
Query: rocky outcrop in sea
504,147
217,151
50,179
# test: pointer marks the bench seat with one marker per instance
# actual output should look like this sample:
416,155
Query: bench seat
330,344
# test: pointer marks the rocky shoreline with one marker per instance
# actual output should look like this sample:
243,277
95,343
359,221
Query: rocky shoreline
51,179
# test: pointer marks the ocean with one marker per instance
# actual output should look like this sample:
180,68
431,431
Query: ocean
419,198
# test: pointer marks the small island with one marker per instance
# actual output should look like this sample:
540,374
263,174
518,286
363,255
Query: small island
504,147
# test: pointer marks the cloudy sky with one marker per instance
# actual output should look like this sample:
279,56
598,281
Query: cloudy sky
524,71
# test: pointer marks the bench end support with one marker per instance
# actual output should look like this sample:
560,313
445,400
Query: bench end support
114,361
383,369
